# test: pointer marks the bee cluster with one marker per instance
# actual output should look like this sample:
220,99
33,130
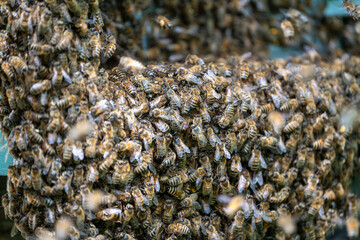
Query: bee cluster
237,148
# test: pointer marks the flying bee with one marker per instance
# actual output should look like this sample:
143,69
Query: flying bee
256,161
164,23
288,30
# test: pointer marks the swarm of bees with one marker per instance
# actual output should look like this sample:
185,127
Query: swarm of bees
237,148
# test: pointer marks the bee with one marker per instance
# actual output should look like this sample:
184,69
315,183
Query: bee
264,192
92,175
8,70
19,64
140,199
311,186
108,162
10,94
351,8
267,108
345,131
292,104
45,23
288,30
315,206
294,123
256,161
277,177
111,47
122,172
252,129
198,134
110,214
164,23
207,184
180,148
244,72
95,45
36,180
318,144
178,228
280,196
178,179
155,229
168,211
65,40
32,133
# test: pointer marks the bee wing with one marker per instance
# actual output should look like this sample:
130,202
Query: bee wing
281,146
152,168
241,184
265,217
251,159
198,183
262,161
53,79
187,150
226,152
247,210
146,145
43,98
217,155
155,200
197,205
276,100
260,178
206,207
146,201
157,184
14,230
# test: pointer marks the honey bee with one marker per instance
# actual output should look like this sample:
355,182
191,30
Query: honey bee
252,129
294,123
164,23
244,72
280,196
264,192
211,95
257,161
155,229
36,180
140,199
311,186
292,104
45,23
19,64
108,162
277,177
65,40
178,228
168,211
180,148
207,184
92,174
268,108
110,214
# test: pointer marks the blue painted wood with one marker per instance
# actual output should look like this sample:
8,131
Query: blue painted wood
4,165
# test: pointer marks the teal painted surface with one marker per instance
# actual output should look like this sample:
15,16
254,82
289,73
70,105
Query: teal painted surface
4,165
